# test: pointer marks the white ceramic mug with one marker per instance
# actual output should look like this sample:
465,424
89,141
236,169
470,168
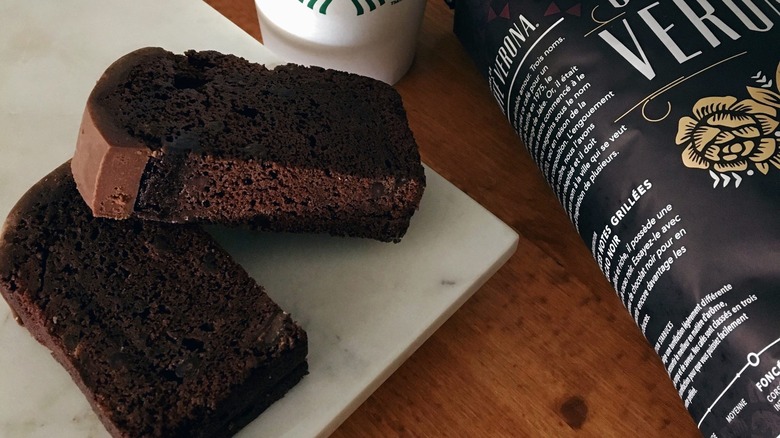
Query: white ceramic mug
375,38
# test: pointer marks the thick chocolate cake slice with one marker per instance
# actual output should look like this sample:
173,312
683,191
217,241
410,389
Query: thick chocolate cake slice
165,334
208,137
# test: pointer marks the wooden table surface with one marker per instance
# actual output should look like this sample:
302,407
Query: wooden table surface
545,347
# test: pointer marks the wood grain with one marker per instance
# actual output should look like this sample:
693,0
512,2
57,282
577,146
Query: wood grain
545,347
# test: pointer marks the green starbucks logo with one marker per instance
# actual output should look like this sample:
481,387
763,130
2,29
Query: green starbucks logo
312,4
371,5
322,5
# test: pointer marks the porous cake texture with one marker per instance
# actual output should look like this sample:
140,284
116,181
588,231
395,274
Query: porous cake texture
210,137
163,332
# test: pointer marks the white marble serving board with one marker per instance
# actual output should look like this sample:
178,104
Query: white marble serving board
366,305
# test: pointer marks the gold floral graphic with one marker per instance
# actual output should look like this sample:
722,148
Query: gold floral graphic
726,135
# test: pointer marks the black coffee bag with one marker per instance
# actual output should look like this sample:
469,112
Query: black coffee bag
656,124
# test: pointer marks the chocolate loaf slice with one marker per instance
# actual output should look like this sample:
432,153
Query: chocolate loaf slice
164,333
208,137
